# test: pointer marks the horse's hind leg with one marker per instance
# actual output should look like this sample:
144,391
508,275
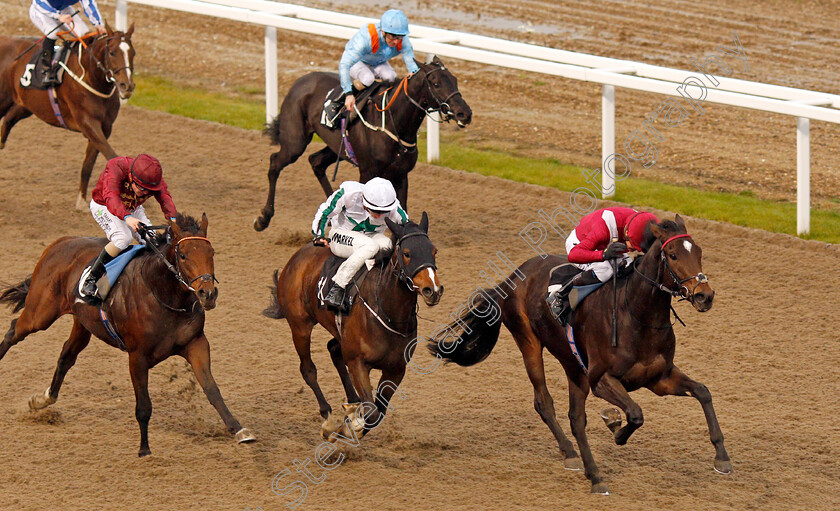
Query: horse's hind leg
197,354
78,340
302,337
678,384
28,323
610,389
334,348
320,161
532,354
289,152
91,152
388,384
13,115
138,366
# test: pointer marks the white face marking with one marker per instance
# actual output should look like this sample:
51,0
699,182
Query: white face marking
687,245
433,279
125,47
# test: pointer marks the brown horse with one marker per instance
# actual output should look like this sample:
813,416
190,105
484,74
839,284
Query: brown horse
87,101
378,329
155,307
379,154
643,357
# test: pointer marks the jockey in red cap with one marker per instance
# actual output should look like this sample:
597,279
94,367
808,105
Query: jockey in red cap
600,237
117,206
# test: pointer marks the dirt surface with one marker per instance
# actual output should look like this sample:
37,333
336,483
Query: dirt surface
462,438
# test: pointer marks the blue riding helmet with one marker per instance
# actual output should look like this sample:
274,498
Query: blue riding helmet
394,22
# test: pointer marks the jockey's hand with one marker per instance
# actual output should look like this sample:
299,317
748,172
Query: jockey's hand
614,250
132,222
101,30
65,18
321,241
350,102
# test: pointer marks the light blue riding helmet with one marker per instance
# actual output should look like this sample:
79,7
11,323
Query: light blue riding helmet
394,22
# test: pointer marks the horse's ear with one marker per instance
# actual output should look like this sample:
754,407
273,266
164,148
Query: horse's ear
108,30
202,229
430,58
176,231
656,230
424,223
129,31
680,223
396,228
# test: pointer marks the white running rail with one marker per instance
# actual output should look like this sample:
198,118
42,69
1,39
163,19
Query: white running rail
802,104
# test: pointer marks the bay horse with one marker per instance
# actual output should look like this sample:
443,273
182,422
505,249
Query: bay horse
643,357
87,101
156,310
378,329
432,88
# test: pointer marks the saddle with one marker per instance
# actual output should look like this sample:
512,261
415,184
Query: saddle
362,97
34,73
328,272
113,270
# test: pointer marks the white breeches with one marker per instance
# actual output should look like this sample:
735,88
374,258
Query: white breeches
45,21
116,230
367,74
357,247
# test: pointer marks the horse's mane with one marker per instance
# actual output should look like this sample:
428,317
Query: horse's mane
186,223
650,238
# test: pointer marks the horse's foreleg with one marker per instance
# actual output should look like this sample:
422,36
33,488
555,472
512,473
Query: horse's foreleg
578,392
320,161
678,384
532,354
334,348
279,160
78,341
12,116
84,179
611,390
388,384
402,191
360,376
138,367
197,354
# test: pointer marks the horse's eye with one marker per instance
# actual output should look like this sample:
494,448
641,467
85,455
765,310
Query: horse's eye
437,85
407,254
182,256
111,53
673,256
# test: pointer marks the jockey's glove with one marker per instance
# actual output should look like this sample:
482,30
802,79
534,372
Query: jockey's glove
614,250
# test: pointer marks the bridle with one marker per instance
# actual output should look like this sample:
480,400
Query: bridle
398,265
442,104
176,268
682,292
108,72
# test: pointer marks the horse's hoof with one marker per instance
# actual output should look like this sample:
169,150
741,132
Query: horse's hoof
80,203
259,225
40,401
723,467
331,424
244,436
2,145
573,464
612,418
600,489
143,453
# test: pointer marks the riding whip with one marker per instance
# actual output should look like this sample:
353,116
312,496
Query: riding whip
615,300
41,39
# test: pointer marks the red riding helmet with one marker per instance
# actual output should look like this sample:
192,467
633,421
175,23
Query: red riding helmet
146,172
634,230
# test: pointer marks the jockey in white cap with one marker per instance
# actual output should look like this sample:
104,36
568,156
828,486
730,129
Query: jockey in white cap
356,213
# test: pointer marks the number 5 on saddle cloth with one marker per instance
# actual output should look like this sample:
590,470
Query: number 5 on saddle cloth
34,73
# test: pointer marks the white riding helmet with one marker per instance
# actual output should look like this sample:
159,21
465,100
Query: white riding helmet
379,195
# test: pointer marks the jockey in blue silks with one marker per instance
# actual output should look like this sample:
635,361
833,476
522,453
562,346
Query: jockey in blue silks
49,14
366,57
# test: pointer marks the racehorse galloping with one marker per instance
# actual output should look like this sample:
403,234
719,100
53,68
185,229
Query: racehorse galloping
379,327
156,308
433,88
644,356
87,103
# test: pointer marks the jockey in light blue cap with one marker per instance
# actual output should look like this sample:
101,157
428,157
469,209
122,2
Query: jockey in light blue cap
366,57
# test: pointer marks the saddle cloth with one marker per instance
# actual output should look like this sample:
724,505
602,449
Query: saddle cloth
565,272
361,99
328,271
113,270
34,73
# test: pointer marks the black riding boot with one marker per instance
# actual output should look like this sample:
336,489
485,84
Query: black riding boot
47,53
337,298
332,109
97,270
558,301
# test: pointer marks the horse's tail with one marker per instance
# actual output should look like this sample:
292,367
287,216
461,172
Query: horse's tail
272,130
479,325
273,310
15,296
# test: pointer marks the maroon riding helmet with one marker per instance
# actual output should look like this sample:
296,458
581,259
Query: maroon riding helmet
634,230
146,172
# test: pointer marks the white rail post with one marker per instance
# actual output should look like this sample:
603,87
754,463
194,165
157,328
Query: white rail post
270,73
803,175
433,137
607,139
121,17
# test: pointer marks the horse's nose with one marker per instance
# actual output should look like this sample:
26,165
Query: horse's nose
208,298
704,300
464,116
427,292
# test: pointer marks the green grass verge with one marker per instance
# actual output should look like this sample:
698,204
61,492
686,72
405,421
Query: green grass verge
247,110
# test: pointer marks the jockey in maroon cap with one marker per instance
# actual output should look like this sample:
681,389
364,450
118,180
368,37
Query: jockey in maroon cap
599,238
117,206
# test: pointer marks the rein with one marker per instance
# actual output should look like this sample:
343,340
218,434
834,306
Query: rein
108,73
